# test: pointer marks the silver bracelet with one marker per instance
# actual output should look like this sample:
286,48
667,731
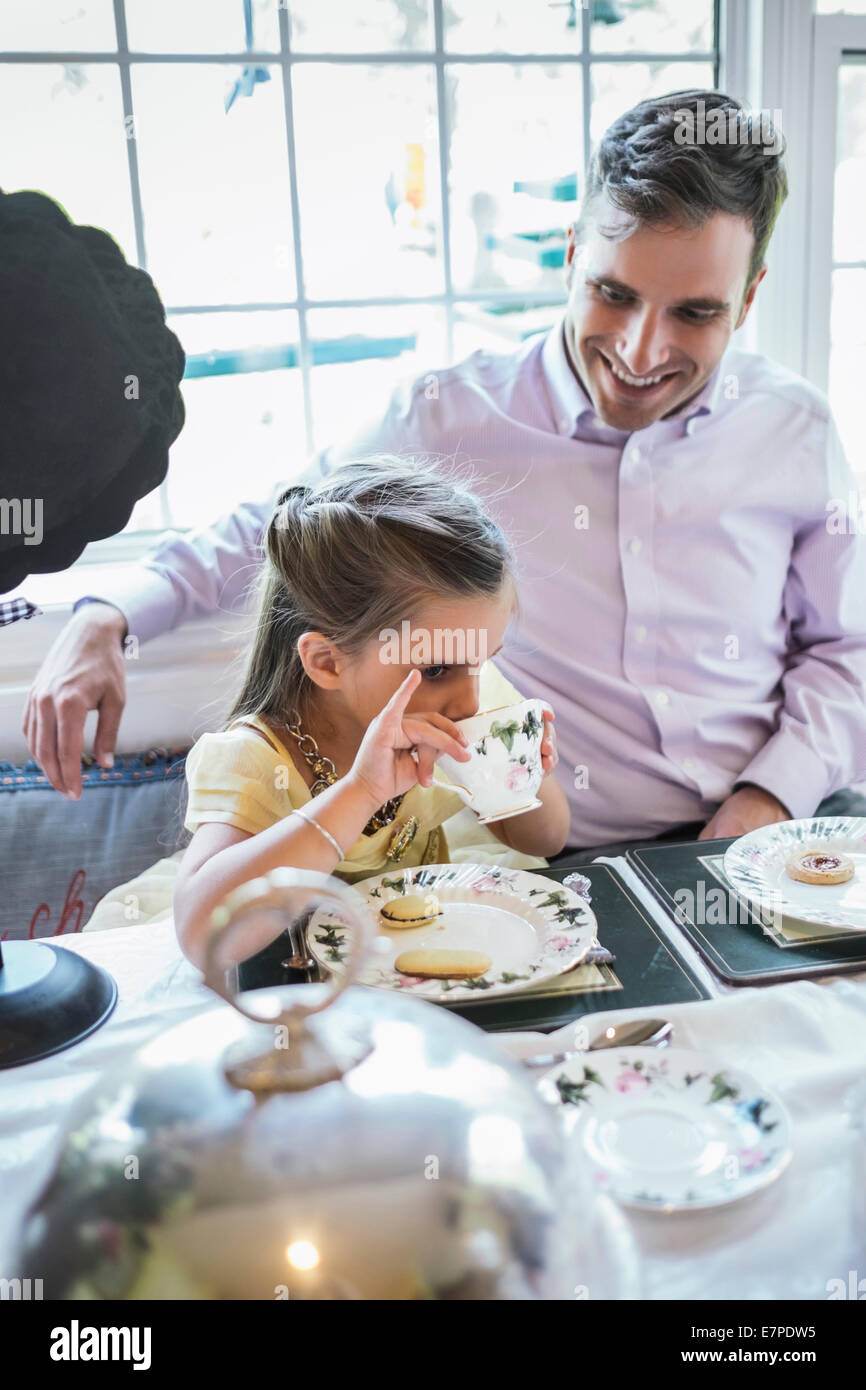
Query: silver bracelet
296,811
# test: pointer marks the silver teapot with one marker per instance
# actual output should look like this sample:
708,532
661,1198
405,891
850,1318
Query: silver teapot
315,1141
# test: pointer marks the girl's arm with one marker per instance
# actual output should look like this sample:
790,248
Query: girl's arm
544,830
221,857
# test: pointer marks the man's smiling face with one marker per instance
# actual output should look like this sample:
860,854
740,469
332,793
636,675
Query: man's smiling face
649,316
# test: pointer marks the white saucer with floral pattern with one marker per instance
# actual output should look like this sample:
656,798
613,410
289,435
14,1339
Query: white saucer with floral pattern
755,866
531,927
671,1130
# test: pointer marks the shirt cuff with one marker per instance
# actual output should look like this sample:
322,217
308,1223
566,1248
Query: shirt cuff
791,771
145,598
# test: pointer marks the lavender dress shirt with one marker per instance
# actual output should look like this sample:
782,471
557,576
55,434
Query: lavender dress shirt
693,594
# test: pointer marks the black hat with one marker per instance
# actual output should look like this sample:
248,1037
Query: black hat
89,387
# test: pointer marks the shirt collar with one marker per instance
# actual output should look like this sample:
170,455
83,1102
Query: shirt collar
571,406
573,411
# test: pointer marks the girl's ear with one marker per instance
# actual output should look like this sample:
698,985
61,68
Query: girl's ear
321,659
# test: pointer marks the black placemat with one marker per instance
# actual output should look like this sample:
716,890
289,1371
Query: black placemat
647,966
736,947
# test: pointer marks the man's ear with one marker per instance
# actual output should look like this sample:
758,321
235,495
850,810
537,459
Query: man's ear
570,252
322,660
750,295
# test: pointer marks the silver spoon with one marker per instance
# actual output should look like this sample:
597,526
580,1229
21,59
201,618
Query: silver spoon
648,1032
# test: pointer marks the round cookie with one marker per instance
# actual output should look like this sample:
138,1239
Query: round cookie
820,866
413,910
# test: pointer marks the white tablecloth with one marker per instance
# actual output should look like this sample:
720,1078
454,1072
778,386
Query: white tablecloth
806,1040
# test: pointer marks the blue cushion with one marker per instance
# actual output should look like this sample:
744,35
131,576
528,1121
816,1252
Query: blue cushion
60,857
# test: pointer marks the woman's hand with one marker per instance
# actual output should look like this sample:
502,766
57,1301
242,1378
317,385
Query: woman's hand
384,763
549,754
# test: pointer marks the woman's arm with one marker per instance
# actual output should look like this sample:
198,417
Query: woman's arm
221,857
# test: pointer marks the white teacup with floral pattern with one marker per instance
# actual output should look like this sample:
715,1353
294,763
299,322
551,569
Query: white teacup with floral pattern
505,772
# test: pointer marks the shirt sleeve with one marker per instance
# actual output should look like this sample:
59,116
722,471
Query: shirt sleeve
235,780
820,743
210,571
196,574
393,431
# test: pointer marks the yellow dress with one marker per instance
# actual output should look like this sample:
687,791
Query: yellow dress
237,777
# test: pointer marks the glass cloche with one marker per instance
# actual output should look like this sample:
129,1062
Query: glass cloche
316,1141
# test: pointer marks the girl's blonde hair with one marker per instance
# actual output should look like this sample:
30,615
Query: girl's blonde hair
357,554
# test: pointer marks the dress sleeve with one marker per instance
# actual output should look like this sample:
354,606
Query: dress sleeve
494,690
237,780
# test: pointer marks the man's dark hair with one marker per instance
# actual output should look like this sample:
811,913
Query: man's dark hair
653,165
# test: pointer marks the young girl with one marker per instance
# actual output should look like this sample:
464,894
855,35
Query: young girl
327,761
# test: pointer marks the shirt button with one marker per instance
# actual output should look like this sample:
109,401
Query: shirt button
635,545
689,765
662,698
635,455
564,426
640,633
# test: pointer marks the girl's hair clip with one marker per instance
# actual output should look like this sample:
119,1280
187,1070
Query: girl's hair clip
292,492
292,495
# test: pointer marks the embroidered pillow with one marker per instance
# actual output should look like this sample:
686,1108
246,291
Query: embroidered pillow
60,857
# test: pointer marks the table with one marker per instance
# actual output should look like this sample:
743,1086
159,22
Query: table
806,1039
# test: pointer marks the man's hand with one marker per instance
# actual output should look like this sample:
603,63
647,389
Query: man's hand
745,809
84,670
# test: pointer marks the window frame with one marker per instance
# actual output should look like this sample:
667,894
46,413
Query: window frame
730,19
835,35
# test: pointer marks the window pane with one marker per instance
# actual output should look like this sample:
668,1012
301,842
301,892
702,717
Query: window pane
512,26
849,209
150,513
848,363
368,173
360,26
244,431
65,26
652,26
618,86
199,26
348,393
511,125
218,223
62,133
500,327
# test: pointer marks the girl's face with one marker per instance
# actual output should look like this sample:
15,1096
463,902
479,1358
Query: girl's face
448,640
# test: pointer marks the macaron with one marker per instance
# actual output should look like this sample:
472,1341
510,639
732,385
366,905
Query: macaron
412,910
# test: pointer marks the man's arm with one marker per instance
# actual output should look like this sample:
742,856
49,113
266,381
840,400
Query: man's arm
188,575
820,743
185,577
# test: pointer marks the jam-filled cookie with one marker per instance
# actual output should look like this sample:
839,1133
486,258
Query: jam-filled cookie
820,866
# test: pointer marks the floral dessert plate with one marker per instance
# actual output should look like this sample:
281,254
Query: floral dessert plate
531,928
671,1131
755,866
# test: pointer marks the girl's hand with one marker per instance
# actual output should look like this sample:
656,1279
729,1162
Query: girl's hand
549,755
384,764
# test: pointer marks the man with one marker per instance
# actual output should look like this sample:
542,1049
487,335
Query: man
695,621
